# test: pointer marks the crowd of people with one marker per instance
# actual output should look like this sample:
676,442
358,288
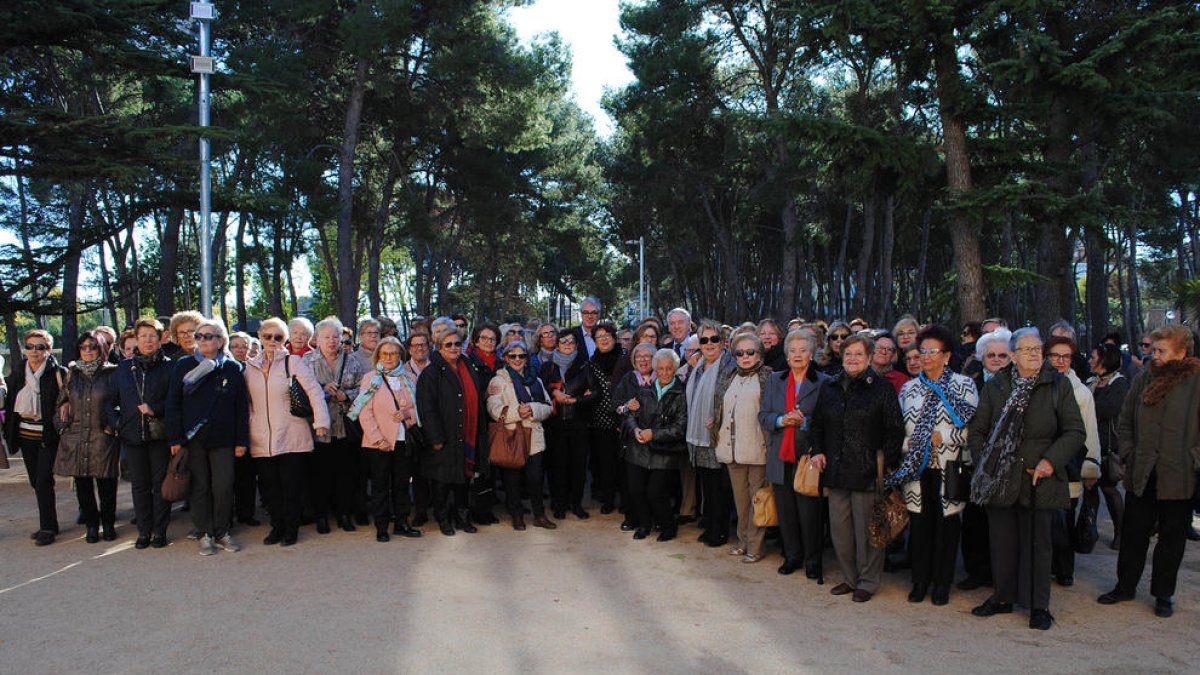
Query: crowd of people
999,444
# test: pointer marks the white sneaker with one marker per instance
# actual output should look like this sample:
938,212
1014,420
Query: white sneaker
227,543
206,545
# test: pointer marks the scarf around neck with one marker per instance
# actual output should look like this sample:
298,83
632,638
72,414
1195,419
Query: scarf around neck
661,390
28,403
147,362
937,395
1000,450
1166,377
527,387
196,376
364,396
787,448
470,413
701,392
563,361
88,368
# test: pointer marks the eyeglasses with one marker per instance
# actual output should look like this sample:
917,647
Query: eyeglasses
186,331
485,338
204,337
566,341
89,347
838,337
418,345
885,350
932,351
745,352
715,339
546,334
1058,357
1145,344
452,345
271,337
1001,355
517,357
388,355
1028,351
590,312
37,348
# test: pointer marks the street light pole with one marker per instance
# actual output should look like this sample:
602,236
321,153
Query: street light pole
642,297
203,13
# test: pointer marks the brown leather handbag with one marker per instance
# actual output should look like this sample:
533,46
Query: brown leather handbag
508,448
178,482
808,478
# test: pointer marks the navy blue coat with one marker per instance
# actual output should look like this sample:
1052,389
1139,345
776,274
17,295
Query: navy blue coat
124,398
220,402
774,405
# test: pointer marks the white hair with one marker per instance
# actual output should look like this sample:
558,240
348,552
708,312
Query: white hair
666,354
1001,335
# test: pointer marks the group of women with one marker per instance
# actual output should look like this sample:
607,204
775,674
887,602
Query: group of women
990,447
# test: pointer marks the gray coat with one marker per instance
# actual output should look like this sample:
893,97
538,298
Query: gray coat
1163,437
87,447
774,405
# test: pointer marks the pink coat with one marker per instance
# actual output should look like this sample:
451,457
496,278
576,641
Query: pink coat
376,416
274,430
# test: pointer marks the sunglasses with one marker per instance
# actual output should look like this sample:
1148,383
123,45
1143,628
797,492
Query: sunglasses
996,356
837,337
89,347
709,340
1059,357
745,352
271,337
511,331
517,357
566,341
452,345
1145,344
204,337
37,348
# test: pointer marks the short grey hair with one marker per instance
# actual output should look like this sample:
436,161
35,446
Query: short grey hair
1001,335
797,334
512,345
666,354
642,346
1064,325
680,310
330,323
747,337
594,302
1028,331
442,326
366,323
303,324
709,325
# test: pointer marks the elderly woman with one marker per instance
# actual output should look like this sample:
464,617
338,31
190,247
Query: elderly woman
740,442
905,330
545,342
1084,468
1109,388
716,366
369,334
573,388
656,424
603,425
136,405
485,340
856,417
883,360
386,407
301,333
937,406
87,449
772,340
1159,433
334,473
245,489
128,344
280,442
1025,432
239,346
451,407
29,411
518,398
787,402
180,330
207,409
830,358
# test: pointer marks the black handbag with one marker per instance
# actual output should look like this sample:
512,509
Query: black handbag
298,402
1086,533
957,481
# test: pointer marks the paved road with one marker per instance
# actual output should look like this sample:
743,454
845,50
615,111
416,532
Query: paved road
584,598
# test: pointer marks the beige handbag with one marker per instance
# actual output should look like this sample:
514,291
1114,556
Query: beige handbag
765,514
808,478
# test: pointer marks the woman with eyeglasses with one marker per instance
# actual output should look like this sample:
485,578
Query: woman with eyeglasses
883,360
857,416
280,442
739,441
905,330
545,342
451,404
208,410
937,406
181,330
485,340
518,398
135,408
715,366
1026,430
30,407
830,358
87,448
1109,388
386,407
300,330
603,423
369,334
573,388
625,401
417,347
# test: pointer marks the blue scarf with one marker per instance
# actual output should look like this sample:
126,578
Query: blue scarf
527,387
365,395
204,367
660,390
920,444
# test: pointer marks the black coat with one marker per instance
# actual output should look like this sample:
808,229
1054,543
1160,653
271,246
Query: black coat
580,383
220,403
52,375
667,418
855,417
1109,401
124,398
440,408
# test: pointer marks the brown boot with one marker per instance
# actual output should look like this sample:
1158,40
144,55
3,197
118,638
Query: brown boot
544,522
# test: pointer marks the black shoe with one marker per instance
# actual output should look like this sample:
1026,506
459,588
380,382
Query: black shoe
108,532
971,583
250,522
627,526
991,607
381,536
446,526
1192,534
717,541
346,524
1163,607
1040,619
1065,581
607,508
403,529
812,570
641,533
917,594
940,596
462,521
580,513
789,566
158,541
560,514
322,525
684,520
93,534
362,519
1113,597
666,535
273,537
142,542
289,539
43,537
420,519
34,534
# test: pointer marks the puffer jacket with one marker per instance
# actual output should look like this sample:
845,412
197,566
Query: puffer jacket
1161,436
855,417
667,418
274,430
501,395
88,446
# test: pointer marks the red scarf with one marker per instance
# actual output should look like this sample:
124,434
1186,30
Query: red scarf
488,358
787,450
470,413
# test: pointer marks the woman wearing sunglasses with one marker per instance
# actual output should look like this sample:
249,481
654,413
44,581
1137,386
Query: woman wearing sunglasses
87,450
573,387
829,361
517,397
715,366
29,409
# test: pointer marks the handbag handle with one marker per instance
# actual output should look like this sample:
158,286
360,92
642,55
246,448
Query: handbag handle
879,472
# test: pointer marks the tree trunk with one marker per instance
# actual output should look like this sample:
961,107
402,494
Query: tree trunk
239,271
70,292
168,269
1097,285
839,270
887,247
861,279
919,304
347,304
376,248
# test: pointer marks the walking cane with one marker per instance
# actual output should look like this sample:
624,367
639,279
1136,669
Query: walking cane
1032,538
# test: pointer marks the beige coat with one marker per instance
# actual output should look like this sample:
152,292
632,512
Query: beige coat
274,430
500,394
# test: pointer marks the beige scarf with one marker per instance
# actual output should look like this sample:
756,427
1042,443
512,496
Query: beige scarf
29,400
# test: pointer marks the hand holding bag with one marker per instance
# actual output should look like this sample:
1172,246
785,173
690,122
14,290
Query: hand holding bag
298,402
508,448
956,481
889,515
765,513
178,482
808,477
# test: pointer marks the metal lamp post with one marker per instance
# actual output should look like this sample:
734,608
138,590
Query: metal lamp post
641,242
203,13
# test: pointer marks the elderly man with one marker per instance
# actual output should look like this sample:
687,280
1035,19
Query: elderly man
589,312
679,325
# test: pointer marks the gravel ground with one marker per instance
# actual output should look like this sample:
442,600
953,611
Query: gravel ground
583,598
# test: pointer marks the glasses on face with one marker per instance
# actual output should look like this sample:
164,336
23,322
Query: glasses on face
546,334
1145,345
37,348
486,338
932,351
389,355
838,337
418,345
186,331
710,340
1001,355
347,343
271,337
517,357
1058,358
1028,351
885,350
745,352
590,312
204,337
88,347
603,336
567,341
461,324
457,344
511,331
642,357
906,333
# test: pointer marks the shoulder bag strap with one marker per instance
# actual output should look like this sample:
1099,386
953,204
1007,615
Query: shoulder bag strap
879,472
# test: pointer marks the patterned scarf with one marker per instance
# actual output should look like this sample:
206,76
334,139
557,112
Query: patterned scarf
147,362
364,396
1000,451
920,445
88,368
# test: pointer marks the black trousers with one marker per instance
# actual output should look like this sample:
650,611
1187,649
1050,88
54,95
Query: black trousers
571,443
85,492
933,536
1173,517
147,469
715,502
529,477
245,487
331,479
1021,551
607,472
362,476
283,478
800,523
976,543
649,493
1062,537
447,497
212,488
390,472
39,465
